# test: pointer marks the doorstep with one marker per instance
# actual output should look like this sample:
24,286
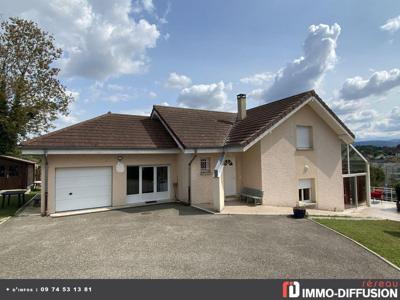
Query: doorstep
103,209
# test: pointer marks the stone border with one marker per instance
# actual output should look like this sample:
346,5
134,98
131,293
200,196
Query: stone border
358,243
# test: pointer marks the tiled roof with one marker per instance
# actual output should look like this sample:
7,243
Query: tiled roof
115,131
261,118
196,128
192,128
17,159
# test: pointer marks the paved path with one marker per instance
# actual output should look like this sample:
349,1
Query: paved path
377,210
173,241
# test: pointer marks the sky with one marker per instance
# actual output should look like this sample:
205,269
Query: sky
124,56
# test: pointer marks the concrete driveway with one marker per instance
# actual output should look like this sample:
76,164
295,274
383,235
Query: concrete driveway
174,241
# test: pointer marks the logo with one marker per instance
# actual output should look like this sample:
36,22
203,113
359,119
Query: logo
290,289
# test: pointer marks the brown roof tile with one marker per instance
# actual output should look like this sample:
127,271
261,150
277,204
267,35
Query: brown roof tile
193,128
261,118
115,131
196,128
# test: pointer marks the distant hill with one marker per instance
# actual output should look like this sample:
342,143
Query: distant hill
379,143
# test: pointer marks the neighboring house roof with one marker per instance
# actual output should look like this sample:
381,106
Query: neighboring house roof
108,131
18,159
170,127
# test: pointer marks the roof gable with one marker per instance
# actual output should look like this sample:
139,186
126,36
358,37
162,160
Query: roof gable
195,129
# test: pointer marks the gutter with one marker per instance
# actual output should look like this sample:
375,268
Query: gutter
190,177
46,183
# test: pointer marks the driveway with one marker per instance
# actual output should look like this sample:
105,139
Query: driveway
174,241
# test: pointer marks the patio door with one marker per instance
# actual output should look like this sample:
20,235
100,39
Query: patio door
147,183
230,177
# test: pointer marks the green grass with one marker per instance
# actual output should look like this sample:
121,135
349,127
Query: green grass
381,236
9,210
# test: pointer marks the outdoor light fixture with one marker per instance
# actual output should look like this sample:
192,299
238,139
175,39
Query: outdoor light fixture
120,168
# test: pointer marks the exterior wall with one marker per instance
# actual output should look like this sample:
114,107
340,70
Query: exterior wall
203,185
119,179
43,185
283,165
249,168
182,161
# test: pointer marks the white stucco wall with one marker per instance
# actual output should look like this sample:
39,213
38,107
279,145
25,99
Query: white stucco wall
119,197
283,165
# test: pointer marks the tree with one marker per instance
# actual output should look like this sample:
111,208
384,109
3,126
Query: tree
377,176
31,96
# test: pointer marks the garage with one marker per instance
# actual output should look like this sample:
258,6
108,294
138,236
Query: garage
82,188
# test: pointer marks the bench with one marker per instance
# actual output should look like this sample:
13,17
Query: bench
251,194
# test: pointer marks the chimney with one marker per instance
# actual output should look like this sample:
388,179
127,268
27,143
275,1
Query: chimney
241,103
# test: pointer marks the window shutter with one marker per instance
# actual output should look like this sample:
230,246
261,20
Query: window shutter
303,137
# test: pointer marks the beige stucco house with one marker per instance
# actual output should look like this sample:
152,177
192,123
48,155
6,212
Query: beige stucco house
290,149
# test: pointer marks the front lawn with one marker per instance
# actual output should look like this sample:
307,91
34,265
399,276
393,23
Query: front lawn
381,236
9,210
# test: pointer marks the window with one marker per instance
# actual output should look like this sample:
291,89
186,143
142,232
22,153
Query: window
132,177
162,179
2,171
204,166
147,179
228,162
305,190
13,170
304,137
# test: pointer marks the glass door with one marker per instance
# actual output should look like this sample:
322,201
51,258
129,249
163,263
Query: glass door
147,183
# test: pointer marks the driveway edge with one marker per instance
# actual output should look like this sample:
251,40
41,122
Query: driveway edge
3,220
359,244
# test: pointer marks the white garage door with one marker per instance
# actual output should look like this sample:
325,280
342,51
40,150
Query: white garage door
80,188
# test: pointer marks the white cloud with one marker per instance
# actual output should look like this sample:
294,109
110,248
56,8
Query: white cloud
176,81
379,83
100,39
392,25
390,125
306,72
152,95
205,96
361,116
148,5
342,107
114,93
256,94
258,79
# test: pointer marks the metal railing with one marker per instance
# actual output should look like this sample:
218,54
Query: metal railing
389,194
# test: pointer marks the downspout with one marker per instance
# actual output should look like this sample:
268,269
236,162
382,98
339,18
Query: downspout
46,183
190,177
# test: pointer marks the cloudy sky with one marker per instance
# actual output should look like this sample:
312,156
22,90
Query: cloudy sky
126,55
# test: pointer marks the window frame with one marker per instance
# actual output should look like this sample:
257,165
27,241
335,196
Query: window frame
302,187
207,169
156,195
310,138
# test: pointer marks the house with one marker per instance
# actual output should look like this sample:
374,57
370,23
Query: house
16,173
291,149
